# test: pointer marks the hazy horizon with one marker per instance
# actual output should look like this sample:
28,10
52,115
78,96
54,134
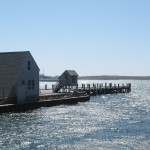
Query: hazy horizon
98,75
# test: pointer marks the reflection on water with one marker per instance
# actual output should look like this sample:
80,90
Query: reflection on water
117,121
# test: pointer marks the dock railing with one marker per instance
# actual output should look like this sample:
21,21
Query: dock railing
105,89
99,88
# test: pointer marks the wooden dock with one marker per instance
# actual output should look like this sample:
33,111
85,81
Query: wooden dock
45,101
67,95
98,89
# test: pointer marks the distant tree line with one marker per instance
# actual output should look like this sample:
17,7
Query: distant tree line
115,77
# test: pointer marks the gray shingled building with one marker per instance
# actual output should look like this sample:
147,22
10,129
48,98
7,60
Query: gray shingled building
19,77
69,78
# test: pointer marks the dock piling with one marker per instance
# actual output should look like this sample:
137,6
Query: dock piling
98,89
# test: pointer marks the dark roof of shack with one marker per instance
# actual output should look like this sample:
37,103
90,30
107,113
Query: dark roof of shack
70,72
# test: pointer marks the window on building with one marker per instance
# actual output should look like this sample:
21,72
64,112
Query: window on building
33,84
29,65
29,84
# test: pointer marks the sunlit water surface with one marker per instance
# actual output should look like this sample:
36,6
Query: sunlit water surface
117,121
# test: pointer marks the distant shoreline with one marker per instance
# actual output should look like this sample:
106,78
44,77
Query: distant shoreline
103,77
114,78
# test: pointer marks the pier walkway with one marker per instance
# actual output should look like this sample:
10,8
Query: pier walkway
67,95
98,89
106,89
45,101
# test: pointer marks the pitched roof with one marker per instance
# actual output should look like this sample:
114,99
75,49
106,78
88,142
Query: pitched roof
10,64
70,72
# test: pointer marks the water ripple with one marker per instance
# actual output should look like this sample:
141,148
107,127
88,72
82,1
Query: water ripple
117,121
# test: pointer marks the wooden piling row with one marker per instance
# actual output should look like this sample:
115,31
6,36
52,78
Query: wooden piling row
98,89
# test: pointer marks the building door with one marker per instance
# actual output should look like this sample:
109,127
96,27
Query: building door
21,95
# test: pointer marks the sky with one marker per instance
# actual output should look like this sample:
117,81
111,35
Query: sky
93,37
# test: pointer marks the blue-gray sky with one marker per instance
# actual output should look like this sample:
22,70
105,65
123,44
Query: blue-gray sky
94,37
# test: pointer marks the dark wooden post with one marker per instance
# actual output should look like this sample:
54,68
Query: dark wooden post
105,85
97,85
45,86
82,85
129,87
110,85
77,87
118,86
100,86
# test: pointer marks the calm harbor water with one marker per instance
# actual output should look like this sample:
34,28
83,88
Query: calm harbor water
117,121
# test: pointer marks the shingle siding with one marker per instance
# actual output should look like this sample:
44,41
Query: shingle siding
32,74
69,81
10,64
14,69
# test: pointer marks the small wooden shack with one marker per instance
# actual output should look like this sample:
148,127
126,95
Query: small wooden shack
68,78
19,77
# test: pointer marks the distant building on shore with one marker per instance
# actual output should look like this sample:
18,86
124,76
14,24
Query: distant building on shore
19,77
68,78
